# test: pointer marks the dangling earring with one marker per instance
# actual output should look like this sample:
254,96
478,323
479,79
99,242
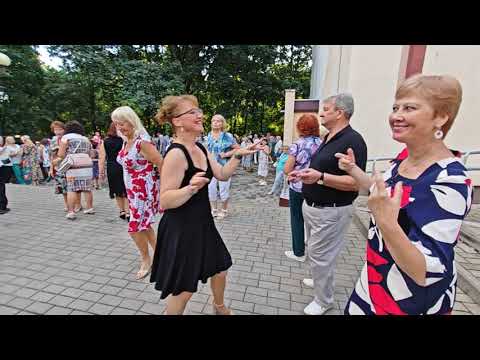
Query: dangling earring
438,134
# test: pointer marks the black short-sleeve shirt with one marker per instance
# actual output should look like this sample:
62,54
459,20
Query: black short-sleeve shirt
324,160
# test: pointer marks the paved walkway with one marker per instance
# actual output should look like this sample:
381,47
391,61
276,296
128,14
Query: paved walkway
49,265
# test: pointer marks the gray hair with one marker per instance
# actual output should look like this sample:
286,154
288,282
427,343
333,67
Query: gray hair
343,101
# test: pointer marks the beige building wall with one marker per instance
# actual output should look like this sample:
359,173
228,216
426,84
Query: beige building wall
372,72
371,77
463,62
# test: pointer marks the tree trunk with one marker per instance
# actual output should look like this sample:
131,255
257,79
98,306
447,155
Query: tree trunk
261,123
234,125
92,108
2,121
245,119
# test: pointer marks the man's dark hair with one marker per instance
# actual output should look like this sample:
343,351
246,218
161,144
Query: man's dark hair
74,127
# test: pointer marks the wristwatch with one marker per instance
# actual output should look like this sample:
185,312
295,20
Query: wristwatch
238,156
320,181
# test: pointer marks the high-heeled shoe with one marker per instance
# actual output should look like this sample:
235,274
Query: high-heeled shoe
221,310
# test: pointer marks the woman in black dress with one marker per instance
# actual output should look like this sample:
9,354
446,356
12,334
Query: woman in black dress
108,151
189,247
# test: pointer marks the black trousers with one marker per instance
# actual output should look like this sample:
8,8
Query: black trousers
44,172
5,173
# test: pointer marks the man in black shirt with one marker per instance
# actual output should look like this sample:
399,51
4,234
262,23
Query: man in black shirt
329,193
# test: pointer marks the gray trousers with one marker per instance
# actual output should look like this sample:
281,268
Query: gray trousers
325,230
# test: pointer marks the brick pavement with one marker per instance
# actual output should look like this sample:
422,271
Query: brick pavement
49,265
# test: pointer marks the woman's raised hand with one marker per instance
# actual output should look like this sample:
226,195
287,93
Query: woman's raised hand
251,149
198,181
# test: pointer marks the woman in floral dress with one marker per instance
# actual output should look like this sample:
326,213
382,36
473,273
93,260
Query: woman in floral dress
263,162
138,157
30,164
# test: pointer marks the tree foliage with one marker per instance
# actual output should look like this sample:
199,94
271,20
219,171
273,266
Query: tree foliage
245,83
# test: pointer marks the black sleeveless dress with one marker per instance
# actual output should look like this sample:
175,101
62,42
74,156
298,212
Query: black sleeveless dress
189,248
113,145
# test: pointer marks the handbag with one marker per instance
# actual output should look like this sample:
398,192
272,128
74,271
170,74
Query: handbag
75,161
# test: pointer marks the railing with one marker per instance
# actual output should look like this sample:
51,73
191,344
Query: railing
465,157
374,162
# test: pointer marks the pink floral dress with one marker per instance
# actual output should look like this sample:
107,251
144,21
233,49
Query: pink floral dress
141,183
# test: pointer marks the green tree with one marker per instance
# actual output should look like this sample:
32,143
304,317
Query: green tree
245,83
22,81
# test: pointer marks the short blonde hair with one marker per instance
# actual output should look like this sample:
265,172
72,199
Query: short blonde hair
225,124
126,113
169,107
26,140
442,92
10,140
57,123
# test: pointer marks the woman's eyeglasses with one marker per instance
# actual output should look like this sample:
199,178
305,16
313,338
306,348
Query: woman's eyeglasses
194,111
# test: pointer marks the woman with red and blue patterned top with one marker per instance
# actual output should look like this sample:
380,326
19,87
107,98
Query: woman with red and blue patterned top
417,207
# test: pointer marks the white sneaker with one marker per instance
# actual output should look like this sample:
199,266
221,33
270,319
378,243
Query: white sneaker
292,256
71,216
90,211
308,283
314,309
214,212
270,193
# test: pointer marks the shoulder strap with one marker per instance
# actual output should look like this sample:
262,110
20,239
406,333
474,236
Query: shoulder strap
185,152
76,148
200,145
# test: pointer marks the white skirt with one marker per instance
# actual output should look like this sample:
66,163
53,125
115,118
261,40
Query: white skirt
263,168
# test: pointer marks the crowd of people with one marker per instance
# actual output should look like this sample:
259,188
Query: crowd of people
417,206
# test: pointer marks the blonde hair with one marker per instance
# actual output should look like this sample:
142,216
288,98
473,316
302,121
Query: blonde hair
169,108
57,123
10,140
442,92
26,140
126,113
225,124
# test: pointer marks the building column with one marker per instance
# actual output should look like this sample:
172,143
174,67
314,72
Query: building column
411,63
289,120
319,68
